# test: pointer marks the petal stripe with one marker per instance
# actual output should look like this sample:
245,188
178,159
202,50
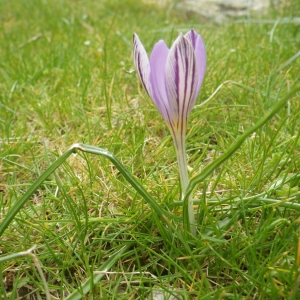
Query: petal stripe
181,78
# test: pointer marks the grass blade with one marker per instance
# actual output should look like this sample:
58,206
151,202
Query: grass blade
93,150
216,163
88,284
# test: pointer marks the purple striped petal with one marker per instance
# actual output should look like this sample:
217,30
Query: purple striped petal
200,52
181,81
158,60
142,64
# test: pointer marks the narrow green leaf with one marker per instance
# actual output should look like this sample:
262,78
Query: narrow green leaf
216,163
162,214
90,282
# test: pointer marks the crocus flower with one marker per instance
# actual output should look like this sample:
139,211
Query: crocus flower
172,78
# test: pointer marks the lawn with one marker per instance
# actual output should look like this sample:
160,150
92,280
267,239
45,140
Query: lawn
87,231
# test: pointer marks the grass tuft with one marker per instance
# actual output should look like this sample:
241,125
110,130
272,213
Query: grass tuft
66,77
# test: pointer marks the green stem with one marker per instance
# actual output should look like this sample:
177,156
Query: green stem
180,147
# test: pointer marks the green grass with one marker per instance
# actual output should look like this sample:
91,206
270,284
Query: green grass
64,78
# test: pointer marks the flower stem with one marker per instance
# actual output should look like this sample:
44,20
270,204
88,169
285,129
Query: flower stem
180,147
